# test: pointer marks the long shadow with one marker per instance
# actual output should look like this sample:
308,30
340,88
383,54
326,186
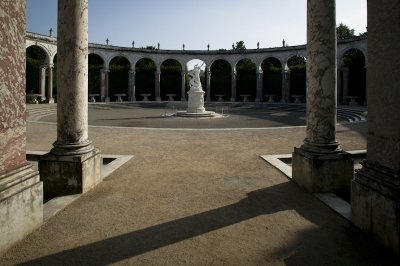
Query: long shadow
260,202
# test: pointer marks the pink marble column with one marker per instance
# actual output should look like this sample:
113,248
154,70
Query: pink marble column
157,77
183,86
72,78
320,165
233,85
260,79
208,83
42,79
50,84
21,192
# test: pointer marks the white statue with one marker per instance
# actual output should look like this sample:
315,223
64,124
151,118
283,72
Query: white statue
194,82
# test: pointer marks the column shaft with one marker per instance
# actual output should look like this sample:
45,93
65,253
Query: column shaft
72,78
183,86
208,84
42,74
285,85
132,93
260,77
321,77
50,84
233,85
157,78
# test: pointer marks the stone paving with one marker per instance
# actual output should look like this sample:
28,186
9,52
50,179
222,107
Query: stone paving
196,197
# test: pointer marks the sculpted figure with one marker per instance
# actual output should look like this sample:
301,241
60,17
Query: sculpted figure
194,82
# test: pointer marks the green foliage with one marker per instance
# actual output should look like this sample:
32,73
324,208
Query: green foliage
271,65
354,58
297,64
344,32
246,66
171,66
120,64
220,67
146,65
239,46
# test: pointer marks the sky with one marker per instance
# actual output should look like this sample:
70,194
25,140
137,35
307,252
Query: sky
173,23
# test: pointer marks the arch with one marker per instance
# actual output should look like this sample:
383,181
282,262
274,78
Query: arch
246,78
95,66
170,79
145,69
220,83
119,77
297,67
272,78
36,58
352,78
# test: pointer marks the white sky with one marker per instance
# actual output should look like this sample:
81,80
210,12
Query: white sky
196,23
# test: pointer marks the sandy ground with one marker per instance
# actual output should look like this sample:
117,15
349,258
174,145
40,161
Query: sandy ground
196,198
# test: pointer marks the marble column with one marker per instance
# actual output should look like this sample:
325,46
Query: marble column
104,90
285,85
157,77
208,83
320,165
132,89
183,86
233,85
260,79
365,103
42,76
21,191
345,83
375,190
73,165
50,84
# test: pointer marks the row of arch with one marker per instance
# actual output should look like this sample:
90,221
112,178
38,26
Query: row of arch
119,75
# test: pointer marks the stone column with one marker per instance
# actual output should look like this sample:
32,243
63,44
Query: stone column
50,84
365,103
233,76
208,83
260,79
132,91
157,78
320,165
21,191
375,190
104,91
42,76
345,79
183,86
73,165
285,85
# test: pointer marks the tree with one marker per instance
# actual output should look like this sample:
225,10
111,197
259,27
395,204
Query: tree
344,32
239,46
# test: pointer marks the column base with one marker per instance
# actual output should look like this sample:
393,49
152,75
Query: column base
375,204
107,99
233,99
158,99
322,173
51,100
183,99
132,99
21,205
70,174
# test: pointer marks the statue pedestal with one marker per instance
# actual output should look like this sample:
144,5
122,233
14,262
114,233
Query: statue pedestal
196,101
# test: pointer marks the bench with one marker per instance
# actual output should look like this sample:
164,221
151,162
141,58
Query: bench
297,98
171,97
92,98
119,97
32,98
145,97
353,100
220,97
245,97
270,97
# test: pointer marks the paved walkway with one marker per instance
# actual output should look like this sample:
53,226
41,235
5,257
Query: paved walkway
193,197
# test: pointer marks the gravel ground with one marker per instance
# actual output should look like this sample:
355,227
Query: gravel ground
196,197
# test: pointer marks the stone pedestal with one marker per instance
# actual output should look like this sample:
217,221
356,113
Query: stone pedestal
21,205
73,174
319,173
375,203
196,102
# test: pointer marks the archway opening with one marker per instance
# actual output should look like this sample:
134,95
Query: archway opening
145,78
272,78
354,60
297,66
119,77
221,80
246,79
96,64
170,80
35,60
